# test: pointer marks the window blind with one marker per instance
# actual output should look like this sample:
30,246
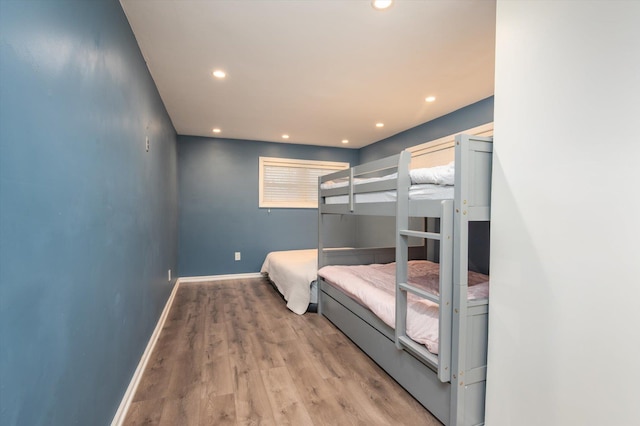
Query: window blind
292,183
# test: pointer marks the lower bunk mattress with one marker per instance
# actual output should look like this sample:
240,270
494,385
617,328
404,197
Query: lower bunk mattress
373,286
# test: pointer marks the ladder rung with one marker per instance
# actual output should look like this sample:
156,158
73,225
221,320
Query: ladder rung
420,234
419,350
419,292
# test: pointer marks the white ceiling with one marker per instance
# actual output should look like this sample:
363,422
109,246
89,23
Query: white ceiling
318,70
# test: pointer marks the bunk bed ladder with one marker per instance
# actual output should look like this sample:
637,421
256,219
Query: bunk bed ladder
442,361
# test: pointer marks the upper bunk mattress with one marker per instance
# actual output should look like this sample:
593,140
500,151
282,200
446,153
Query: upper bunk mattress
429,183
373,286
416,192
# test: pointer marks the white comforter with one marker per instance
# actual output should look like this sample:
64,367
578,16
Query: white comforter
292,272
373,286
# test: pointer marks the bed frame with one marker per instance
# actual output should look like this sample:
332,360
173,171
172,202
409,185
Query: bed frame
451,384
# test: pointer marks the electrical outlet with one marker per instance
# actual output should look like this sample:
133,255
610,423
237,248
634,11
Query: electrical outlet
169,275
147,143
237,255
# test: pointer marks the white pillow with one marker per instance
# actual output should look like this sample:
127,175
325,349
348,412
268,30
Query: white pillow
439,175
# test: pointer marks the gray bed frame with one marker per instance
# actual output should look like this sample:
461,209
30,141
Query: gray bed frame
451,384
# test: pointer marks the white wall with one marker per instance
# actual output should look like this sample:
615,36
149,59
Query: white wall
564,333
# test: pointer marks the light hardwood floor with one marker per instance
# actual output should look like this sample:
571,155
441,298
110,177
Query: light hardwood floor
231,353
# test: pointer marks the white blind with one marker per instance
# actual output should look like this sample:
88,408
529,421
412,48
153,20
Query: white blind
292,183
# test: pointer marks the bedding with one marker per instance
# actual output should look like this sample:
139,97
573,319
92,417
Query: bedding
416,192
429,183
438,175
373,286
294,273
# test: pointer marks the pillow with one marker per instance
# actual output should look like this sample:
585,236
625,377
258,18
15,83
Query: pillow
439,175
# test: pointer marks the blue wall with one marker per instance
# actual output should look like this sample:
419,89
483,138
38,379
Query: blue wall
465,118
88,219
219,214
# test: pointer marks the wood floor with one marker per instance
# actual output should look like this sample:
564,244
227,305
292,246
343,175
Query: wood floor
231,353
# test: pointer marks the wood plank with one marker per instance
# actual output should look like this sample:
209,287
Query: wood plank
184,410
143,413
214,306
219,410
238,340
287,406
327,361
186,375
217,378
216,342
357,405
252,401
284,333
316,393
266,353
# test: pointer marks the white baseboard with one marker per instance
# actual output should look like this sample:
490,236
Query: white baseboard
121,414
219,277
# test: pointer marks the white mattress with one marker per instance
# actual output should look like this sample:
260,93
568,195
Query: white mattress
294,273
416,192
429,183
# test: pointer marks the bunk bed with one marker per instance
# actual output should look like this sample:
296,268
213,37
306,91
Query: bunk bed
293,274
449,381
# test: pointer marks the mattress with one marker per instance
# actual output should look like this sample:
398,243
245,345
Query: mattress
373,286
429,183
294,273
416,192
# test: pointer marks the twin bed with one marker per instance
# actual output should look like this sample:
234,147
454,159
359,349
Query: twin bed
425,323
293,273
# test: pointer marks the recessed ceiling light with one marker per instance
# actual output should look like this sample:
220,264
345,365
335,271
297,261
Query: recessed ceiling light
219,74
379,124
345,140
216,130
430,98
381,4
285,136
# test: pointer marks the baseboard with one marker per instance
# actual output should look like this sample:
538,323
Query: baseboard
121,414
219,277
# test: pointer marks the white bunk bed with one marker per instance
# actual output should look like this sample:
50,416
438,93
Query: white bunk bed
451,383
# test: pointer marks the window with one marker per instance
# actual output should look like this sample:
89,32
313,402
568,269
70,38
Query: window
290,183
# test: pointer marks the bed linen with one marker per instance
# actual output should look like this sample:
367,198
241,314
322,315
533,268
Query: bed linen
294,273
373,286
416,192
438,175
429,183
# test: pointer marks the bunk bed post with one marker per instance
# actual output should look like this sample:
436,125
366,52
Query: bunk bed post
320,253
460,282
402,244
445,290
